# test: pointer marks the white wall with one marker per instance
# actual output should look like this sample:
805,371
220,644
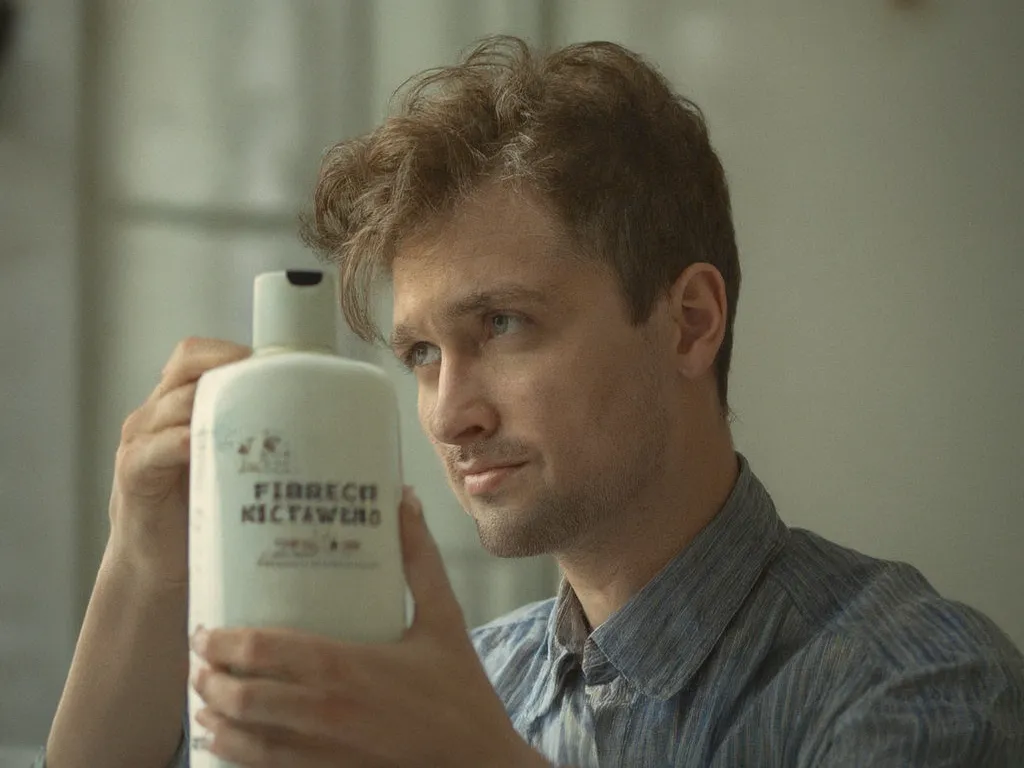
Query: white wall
876,157
39,503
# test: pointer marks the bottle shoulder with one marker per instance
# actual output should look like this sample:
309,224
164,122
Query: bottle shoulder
296,365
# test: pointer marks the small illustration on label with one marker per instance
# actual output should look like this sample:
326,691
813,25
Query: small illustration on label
266,453
201,742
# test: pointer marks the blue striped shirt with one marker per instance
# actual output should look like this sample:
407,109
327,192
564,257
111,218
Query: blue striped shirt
761,645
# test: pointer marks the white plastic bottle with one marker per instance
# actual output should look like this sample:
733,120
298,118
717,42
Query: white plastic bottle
295,483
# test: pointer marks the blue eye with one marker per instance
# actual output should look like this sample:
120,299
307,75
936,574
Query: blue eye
422,354
502,324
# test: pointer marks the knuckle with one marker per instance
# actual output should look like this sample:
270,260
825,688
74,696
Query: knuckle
130,426
251,648
127,453
238,699
189,345
184,349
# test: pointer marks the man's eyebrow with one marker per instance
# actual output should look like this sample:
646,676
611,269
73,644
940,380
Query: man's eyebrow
473,303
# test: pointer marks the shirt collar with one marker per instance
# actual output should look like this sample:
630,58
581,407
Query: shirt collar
661,637
565,623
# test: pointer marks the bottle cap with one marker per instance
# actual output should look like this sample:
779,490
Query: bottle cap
295,308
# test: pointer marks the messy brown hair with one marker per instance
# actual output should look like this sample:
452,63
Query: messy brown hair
594,129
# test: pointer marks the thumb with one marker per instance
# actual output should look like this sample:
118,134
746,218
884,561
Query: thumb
435,604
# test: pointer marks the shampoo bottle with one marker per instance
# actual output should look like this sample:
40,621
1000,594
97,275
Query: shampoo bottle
295,483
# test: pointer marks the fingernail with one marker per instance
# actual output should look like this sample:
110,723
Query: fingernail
195,676
200,638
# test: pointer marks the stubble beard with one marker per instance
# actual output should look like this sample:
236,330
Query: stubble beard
553,522
550,523
560,521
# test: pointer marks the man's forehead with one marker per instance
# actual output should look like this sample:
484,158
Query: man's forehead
473,251
461,259
435,281
499,241
508,226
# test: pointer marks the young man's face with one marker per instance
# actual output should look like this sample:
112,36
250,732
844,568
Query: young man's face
547,407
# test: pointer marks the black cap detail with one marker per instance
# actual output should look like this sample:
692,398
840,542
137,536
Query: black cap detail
304,276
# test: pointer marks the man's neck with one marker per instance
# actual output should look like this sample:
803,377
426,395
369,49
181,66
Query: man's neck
620,557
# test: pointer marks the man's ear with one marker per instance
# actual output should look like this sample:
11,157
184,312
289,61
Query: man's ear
698,308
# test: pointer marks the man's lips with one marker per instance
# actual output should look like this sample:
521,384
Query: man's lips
481,477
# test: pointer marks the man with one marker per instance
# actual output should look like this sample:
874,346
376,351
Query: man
558,236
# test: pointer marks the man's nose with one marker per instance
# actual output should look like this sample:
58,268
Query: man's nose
459,411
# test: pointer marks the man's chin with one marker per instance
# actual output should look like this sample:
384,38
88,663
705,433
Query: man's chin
502,537
512,548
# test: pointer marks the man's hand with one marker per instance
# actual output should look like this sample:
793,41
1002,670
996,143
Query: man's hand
122,702
283,698
149,499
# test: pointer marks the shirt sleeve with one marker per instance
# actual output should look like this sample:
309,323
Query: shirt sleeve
181,757
948,715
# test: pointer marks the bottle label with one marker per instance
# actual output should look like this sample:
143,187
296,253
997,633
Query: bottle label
325,515
302,522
